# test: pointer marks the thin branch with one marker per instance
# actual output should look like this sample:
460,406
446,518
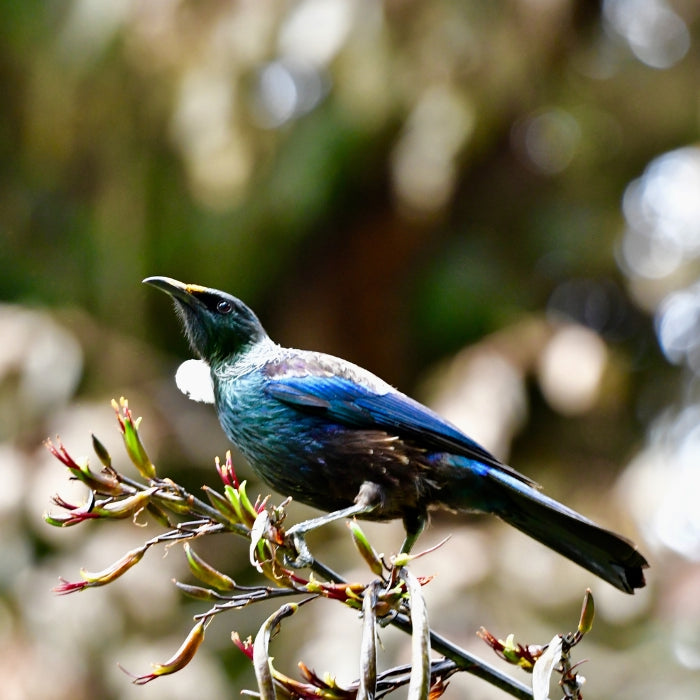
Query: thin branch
462,658
234,512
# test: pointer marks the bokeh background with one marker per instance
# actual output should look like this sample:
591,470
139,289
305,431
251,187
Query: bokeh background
493,205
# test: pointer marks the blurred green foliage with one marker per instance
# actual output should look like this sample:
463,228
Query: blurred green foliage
133,144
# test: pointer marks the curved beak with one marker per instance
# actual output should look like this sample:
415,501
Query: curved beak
176,289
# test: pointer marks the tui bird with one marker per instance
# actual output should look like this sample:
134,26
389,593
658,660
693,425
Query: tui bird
336,437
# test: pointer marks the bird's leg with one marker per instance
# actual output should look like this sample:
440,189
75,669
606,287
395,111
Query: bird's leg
414,525
368,499
298,532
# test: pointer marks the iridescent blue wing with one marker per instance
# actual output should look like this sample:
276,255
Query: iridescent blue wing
342,399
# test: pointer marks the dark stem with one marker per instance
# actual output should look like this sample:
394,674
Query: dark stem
462,658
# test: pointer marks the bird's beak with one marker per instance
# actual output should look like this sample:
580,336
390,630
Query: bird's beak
176,289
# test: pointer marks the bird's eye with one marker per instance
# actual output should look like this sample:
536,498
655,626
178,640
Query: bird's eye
224,307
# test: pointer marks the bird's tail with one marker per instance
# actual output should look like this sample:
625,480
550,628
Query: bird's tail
608,555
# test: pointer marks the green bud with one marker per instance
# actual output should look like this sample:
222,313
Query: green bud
246,505
223,505
125,507
233,498
59,521
510,650
401,559
585,623
101,452
207,573
134,447
367,552
197,592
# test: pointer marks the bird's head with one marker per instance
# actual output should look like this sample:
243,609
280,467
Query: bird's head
218,326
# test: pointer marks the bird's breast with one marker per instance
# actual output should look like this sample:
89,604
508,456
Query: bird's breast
317,462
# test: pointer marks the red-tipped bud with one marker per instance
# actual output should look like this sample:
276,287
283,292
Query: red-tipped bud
102,578
245,646
180,658
104,482
523,656
226,471
367,552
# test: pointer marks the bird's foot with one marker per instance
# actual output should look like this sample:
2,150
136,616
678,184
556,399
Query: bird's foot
296,535
296,538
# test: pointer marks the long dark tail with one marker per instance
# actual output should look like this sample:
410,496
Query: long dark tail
608,555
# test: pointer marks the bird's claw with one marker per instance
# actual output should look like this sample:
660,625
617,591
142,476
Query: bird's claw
297,540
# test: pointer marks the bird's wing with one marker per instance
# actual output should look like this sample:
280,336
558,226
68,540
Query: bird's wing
343,400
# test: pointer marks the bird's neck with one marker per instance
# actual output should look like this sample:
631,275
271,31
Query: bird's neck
248,359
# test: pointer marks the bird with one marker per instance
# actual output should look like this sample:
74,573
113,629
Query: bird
335,436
